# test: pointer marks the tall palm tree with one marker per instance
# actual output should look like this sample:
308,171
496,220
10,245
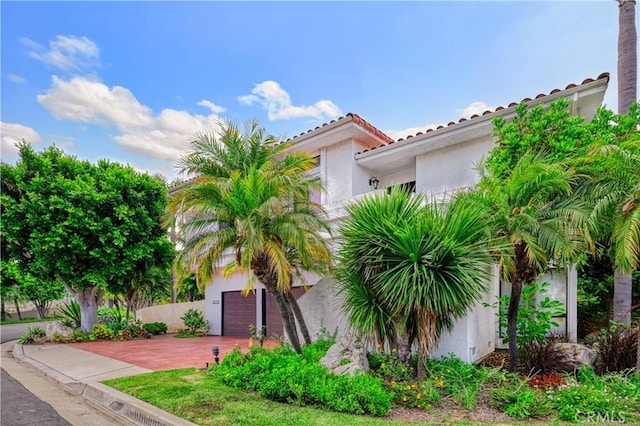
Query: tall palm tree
627,95
410,265
627,55
248,209
533,223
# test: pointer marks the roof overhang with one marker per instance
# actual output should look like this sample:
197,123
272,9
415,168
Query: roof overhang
584,99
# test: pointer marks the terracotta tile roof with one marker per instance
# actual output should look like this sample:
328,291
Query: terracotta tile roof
604,75
355,118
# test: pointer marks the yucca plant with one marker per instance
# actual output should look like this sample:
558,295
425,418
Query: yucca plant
412,266
71,313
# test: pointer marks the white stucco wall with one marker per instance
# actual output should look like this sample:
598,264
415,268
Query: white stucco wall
447,169
169,314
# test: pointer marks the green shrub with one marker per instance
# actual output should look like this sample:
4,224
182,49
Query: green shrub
58,338
102,331
285,376
79,336
155,328
389,367
579,402
71,313
534,319
461,380
31,335
194,320
545,357
517,399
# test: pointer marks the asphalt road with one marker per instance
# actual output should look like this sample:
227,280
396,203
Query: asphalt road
21,407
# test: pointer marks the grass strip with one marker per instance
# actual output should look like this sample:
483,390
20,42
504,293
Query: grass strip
200,398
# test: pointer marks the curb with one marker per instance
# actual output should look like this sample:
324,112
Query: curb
115,402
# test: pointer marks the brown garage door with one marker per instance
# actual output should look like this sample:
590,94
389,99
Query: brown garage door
238,312
272,317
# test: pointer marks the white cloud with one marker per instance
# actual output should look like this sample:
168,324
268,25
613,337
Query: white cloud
66,52
164,136
277,102
477,107
216,109
402,134
12,133
14,78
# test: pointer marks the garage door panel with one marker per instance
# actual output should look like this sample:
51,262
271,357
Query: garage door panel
238,312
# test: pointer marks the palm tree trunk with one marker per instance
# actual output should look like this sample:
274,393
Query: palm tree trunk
627,55
299,317
622,283
512,323
427,339
17,305
287,320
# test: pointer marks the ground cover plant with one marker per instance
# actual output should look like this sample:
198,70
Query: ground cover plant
283,375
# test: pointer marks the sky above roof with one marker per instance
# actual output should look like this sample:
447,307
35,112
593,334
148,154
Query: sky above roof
134,81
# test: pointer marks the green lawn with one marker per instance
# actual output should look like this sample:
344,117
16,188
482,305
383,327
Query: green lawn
28,320
200,398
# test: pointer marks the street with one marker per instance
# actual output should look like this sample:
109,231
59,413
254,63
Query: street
31,398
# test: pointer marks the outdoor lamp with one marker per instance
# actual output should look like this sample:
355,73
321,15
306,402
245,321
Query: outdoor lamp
216,352
374,182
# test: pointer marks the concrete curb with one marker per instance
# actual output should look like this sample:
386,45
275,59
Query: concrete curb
115,402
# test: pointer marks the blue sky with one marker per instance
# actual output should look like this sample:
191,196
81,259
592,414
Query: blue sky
133,81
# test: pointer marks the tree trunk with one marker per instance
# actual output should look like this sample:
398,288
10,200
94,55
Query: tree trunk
287,320
627,55
3,311
512,323
88,308
298,314
41,308
17,305
427,339
622,283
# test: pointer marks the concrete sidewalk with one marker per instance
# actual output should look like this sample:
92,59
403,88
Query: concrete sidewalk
80,372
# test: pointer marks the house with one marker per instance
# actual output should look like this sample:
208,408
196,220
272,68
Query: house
354,159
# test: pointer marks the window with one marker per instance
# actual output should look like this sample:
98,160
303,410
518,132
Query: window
409,187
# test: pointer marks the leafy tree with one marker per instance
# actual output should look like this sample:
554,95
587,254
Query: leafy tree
250,198
411,265
535,222
86,225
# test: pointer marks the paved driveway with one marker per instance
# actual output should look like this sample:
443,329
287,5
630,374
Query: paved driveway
165,352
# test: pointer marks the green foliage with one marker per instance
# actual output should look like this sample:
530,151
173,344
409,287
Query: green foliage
285,376
194,320
617,348
461,380
87,225
31,335
71,313
410,266
516,399
102,331
259,335
155,328
390,367
58,338
535,319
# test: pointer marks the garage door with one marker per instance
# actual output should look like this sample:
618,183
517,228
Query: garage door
273,319
238,312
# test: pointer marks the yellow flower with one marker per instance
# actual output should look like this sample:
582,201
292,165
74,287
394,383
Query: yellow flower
414,386
408,387
404,399
379,345
382,365
394,350
393,383
418,396
440,384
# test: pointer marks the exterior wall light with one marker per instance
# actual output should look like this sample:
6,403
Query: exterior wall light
374,182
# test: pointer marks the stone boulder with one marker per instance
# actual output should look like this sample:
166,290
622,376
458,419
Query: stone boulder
57,327
578,354
346,356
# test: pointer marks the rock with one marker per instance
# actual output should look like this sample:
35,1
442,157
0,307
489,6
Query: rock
57,327
578,354
346,356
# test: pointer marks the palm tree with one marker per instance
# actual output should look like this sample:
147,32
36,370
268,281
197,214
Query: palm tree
627,55
613,163
250,202
410,265
533,223
627,95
